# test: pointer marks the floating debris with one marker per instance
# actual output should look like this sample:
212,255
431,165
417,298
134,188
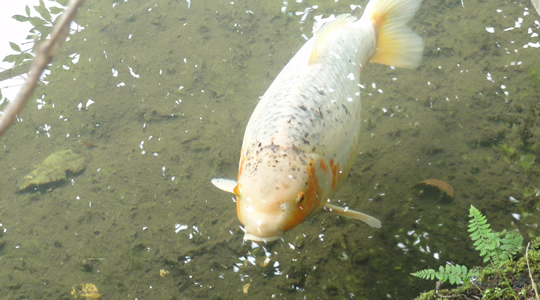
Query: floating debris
245,288
53,170
163,273
444,187
299,241
85,291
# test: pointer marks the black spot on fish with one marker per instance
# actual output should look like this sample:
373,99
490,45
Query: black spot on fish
303,107
320,114
346,110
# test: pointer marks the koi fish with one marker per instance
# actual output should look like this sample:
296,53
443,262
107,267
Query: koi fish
302,137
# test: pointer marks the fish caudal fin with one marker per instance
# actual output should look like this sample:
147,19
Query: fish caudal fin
371,221
397,44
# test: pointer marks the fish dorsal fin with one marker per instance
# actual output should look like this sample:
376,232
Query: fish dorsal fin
324,30
349,213
226,185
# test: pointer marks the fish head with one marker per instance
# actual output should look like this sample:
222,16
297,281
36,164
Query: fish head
270,202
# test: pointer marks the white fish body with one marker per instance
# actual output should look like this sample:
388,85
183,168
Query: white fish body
302,137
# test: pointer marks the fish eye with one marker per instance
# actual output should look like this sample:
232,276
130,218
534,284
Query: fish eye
299,198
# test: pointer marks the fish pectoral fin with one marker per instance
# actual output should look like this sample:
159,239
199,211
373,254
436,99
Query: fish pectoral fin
226,185
371,221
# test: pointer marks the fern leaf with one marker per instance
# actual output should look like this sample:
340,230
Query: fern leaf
485,241
490,245
510,245
453,274
425,274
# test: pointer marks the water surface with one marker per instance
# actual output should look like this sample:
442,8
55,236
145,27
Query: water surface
156,95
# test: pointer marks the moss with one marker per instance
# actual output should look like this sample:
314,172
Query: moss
53,170
526,160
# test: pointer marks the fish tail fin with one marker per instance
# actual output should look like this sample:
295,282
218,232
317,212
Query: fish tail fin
397,44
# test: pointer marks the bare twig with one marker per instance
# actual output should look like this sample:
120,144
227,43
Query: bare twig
530,274
44,54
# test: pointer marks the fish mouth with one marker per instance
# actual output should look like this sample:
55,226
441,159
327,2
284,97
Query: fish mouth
260,239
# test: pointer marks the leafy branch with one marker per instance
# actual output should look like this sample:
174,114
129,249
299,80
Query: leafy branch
42,28
44,54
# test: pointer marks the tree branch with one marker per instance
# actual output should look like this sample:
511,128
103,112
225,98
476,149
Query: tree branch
44,54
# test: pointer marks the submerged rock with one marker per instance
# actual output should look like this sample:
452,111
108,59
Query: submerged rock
53,170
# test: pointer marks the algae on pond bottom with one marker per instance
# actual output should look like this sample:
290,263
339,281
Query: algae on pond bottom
53,169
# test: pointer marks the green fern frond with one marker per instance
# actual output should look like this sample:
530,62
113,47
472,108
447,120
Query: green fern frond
453,274
478,226
510,245
490,245
428,274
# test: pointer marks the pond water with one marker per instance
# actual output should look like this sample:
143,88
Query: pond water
155,95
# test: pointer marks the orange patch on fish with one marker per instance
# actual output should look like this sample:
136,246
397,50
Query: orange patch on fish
323,165
337,173
312,198
236,191
241,167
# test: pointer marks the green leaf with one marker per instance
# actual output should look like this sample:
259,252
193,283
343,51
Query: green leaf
27,10
42,10
11,58
20,18
15,47
35,21
62,2
22,58
56,10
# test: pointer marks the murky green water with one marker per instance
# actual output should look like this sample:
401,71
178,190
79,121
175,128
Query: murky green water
172,85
